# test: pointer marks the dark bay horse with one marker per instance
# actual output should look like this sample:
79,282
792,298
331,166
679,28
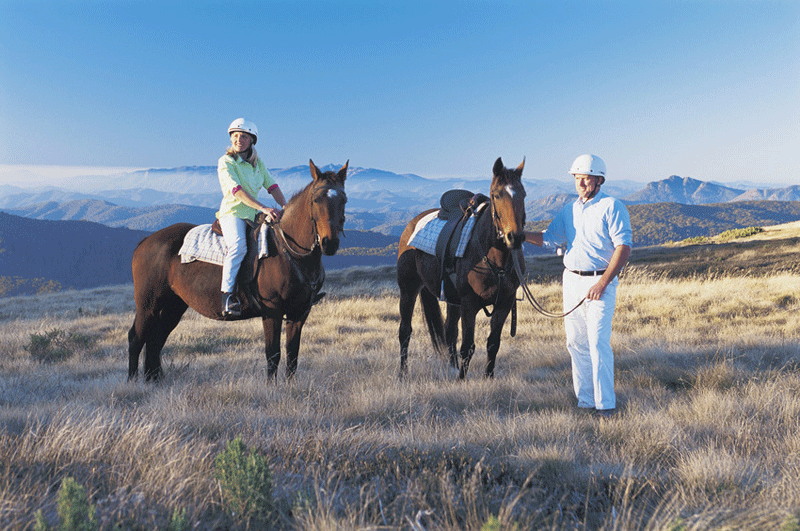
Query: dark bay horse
286,283
484,276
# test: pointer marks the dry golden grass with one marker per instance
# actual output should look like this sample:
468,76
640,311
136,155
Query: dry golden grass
708,435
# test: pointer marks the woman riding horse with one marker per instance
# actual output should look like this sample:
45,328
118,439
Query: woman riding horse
241,174
286,281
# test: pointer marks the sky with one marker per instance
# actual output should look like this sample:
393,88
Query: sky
708,89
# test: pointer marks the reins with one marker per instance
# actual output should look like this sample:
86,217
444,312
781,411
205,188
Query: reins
515,258
285,241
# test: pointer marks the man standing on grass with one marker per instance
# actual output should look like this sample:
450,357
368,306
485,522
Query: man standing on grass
596,230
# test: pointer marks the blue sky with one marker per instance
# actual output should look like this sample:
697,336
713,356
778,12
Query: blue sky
708,89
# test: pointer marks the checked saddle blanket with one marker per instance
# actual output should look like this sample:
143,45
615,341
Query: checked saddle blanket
204,245
427,231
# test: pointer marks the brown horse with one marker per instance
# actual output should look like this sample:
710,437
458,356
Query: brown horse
484,276
286,283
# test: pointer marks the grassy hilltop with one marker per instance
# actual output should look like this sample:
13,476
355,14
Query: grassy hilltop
707,349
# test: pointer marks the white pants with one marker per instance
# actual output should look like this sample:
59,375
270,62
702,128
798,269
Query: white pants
588,332
234,231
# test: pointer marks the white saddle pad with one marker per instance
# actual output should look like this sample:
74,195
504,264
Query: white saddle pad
202,244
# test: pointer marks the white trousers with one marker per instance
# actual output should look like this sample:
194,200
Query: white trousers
588,332
234,232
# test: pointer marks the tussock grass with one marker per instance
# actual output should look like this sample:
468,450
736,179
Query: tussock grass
708,435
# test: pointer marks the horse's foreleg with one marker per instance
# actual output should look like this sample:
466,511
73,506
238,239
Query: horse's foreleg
493,343
272,345
451,333
294,330
467,340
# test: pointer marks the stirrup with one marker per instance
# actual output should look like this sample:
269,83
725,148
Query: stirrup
231,307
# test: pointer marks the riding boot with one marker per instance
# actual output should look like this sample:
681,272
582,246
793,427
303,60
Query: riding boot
231,307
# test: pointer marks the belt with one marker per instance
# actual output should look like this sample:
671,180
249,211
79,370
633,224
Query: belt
588,273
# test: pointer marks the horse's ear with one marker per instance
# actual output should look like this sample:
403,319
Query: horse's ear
342,175
498,166
314,170
521,167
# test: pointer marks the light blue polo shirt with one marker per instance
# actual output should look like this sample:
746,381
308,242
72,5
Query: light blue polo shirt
591,232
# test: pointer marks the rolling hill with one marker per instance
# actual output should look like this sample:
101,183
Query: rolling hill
45,255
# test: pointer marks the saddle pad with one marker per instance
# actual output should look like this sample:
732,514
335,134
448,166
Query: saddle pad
202,244
427,230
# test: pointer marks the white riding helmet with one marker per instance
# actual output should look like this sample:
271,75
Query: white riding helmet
589,165
240,124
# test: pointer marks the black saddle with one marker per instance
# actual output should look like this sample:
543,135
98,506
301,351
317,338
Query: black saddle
456,208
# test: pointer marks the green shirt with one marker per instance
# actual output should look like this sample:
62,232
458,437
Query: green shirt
239,173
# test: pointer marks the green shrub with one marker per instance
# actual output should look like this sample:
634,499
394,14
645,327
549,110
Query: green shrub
179,522
695,240
75,513
246,482
739,233
494,524
56,345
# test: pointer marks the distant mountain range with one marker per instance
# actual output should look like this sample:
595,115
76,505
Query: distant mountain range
378,200
69,237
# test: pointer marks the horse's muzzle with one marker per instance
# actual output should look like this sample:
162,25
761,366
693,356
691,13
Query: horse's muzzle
330,246
513,240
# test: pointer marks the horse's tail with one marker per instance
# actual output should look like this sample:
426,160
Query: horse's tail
434,320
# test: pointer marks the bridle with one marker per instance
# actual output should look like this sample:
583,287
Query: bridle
516,260
497,271
304,253
295,255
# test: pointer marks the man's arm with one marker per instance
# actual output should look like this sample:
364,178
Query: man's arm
615,265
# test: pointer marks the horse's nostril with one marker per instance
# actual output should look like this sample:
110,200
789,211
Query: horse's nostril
514,241
330,245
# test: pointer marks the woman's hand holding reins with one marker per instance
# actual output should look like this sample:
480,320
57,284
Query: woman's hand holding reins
273,214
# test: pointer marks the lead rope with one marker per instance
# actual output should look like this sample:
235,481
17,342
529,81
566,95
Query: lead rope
516,257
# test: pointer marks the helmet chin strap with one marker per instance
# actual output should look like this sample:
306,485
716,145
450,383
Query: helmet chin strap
597,185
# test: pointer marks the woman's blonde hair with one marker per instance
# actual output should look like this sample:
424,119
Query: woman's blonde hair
252,159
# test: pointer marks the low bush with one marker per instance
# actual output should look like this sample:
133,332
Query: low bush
246,483
75,513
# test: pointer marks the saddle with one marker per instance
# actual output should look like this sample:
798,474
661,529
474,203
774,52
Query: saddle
456,208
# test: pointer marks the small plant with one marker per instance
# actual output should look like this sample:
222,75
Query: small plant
56,345
790,524
493,523
246,482
179,522
75,513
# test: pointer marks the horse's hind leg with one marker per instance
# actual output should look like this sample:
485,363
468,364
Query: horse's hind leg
168,318
409,290
467,340
136,341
